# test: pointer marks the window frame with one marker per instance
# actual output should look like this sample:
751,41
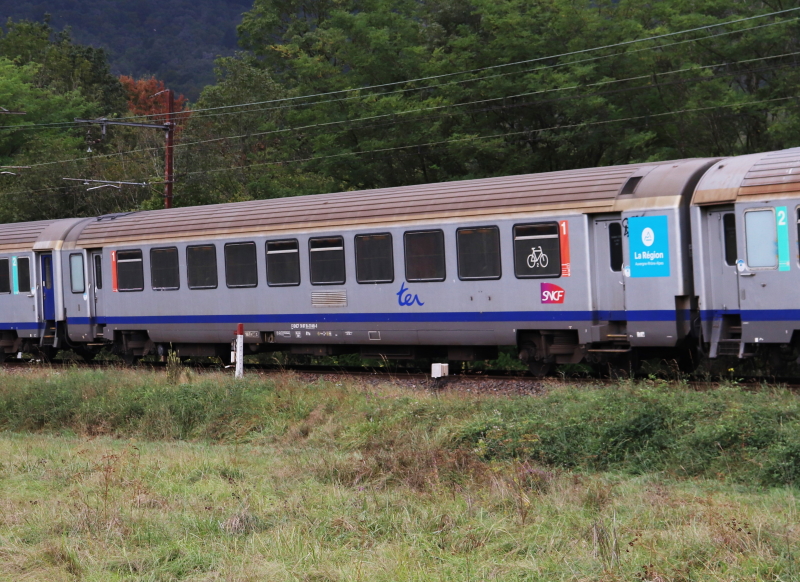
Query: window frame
118,261
98,270
72,274
8,275
216,268
558,238
344,259
499,253
771,209
391,257
20,278
725,247
611,257
255,263
266,260
444,255
177,256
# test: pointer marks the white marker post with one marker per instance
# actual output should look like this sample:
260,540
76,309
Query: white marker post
239,351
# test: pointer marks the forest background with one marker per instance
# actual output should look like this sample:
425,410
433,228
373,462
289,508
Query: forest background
332,95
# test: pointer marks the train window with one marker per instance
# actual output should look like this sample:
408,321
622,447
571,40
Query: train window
374,260
425,256
201,266
761,239
729,235
241,269
283,263
478,252
98,271
326,260
5,279
24,274
537,250
130,274
76,276
615,246
164,270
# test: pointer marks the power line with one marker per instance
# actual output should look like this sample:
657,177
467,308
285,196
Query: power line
556,65
498,135
432,108
527,61
459,140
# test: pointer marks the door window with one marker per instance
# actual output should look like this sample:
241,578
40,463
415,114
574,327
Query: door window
615,246
761,239
729,236
76,273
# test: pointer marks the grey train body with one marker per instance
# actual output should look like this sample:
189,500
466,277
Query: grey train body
582,265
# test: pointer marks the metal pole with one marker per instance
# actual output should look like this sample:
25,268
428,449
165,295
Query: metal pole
240,351
168,173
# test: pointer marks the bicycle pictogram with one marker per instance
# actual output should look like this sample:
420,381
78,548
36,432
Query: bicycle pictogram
537,258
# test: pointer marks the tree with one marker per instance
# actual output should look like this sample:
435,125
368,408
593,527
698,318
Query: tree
141,96
700,94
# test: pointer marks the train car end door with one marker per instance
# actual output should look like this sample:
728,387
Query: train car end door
48,289
96,302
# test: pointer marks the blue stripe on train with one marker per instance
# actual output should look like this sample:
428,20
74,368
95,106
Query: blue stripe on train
435,317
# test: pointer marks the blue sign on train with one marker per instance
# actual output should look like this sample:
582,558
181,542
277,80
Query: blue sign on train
648,238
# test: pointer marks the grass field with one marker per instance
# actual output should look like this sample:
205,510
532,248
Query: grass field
121,475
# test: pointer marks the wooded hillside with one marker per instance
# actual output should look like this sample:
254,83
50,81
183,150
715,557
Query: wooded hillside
359,94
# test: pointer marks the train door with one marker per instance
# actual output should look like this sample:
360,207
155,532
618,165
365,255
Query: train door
609,281
723,282
767,289
722,253
48,300
96,302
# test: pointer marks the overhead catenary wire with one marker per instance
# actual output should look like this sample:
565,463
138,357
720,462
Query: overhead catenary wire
491,67
523,62
457,140
431,108
498,135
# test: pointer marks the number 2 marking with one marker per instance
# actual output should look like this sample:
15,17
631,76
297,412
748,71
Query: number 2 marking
781,218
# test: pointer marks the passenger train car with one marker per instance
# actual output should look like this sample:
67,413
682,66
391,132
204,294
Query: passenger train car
582,265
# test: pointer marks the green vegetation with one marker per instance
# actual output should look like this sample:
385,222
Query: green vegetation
725,90
124,476
176,41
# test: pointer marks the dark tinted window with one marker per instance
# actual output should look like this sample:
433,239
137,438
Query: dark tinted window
241,269
729,233
536,250
615,245
130,275
98,271
24,274
164,270
326,260
283,263
201,267
5,277
478,252
374,260
425,256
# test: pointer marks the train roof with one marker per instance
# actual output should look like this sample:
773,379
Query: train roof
765,176
592,190
21,236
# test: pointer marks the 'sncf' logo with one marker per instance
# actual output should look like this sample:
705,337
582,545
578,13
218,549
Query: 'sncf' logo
552,293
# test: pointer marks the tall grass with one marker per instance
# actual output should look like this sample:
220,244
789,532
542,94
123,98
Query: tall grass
745,436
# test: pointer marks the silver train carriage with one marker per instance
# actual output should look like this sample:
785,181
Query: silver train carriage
582,265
